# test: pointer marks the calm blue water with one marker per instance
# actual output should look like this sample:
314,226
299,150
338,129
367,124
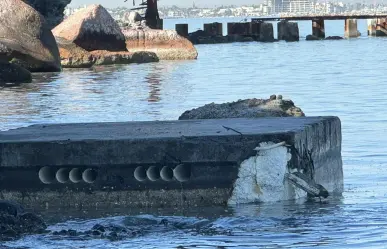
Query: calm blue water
345,78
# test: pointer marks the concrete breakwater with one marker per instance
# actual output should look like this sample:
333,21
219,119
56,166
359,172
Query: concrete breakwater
171,163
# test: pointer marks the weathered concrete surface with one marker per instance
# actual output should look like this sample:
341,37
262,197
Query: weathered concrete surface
381,27
288,31
350,28
266,32
107,164
318,28
92,28
248,108
27,38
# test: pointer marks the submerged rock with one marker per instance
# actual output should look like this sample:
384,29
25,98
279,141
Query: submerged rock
249,108
92,28
312,38
26,39
334,38
52,10
166,44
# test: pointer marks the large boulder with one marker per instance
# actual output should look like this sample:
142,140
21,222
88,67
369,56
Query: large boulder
249,108
92,28
166,44
26,39
52,10
10,73
73,56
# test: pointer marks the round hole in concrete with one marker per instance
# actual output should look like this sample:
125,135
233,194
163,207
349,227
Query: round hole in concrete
47,175
140,174
62,175
166,174
89,175
182,173
153,173
75,175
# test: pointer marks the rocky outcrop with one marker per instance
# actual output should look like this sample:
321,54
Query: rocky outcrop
166,44
26,39
73,56
249,108
15,222
10,73
288,31
92,28
52,10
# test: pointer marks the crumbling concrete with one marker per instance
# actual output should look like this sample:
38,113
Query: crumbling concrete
171,163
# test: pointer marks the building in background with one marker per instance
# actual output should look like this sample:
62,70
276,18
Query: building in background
293,6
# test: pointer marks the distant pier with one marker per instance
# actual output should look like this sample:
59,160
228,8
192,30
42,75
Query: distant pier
261,29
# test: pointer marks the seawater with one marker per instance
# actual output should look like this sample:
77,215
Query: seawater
345,78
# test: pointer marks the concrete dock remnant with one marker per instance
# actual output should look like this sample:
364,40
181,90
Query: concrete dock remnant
169,163
213,29
266,33
351,28
288,31
381,27
318,28
371,27
182,29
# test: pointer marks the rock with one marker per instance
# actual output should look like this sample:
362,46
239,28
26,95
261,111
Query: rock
52,10
26,39
92,28
266,32
133,17
312,38
13,226
249,108
248,39
73,56
111,58
10,73
288,31
166,44
334,38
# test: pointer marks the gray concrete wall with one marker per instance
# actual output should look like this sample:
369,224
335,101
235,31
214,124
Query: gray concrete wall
104,164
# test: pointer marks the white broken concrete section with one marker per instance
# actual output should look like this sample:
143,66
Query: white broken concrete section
262,178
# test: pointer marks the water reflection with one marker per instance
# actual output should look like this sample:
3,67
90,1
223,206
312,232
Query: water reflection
154,81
